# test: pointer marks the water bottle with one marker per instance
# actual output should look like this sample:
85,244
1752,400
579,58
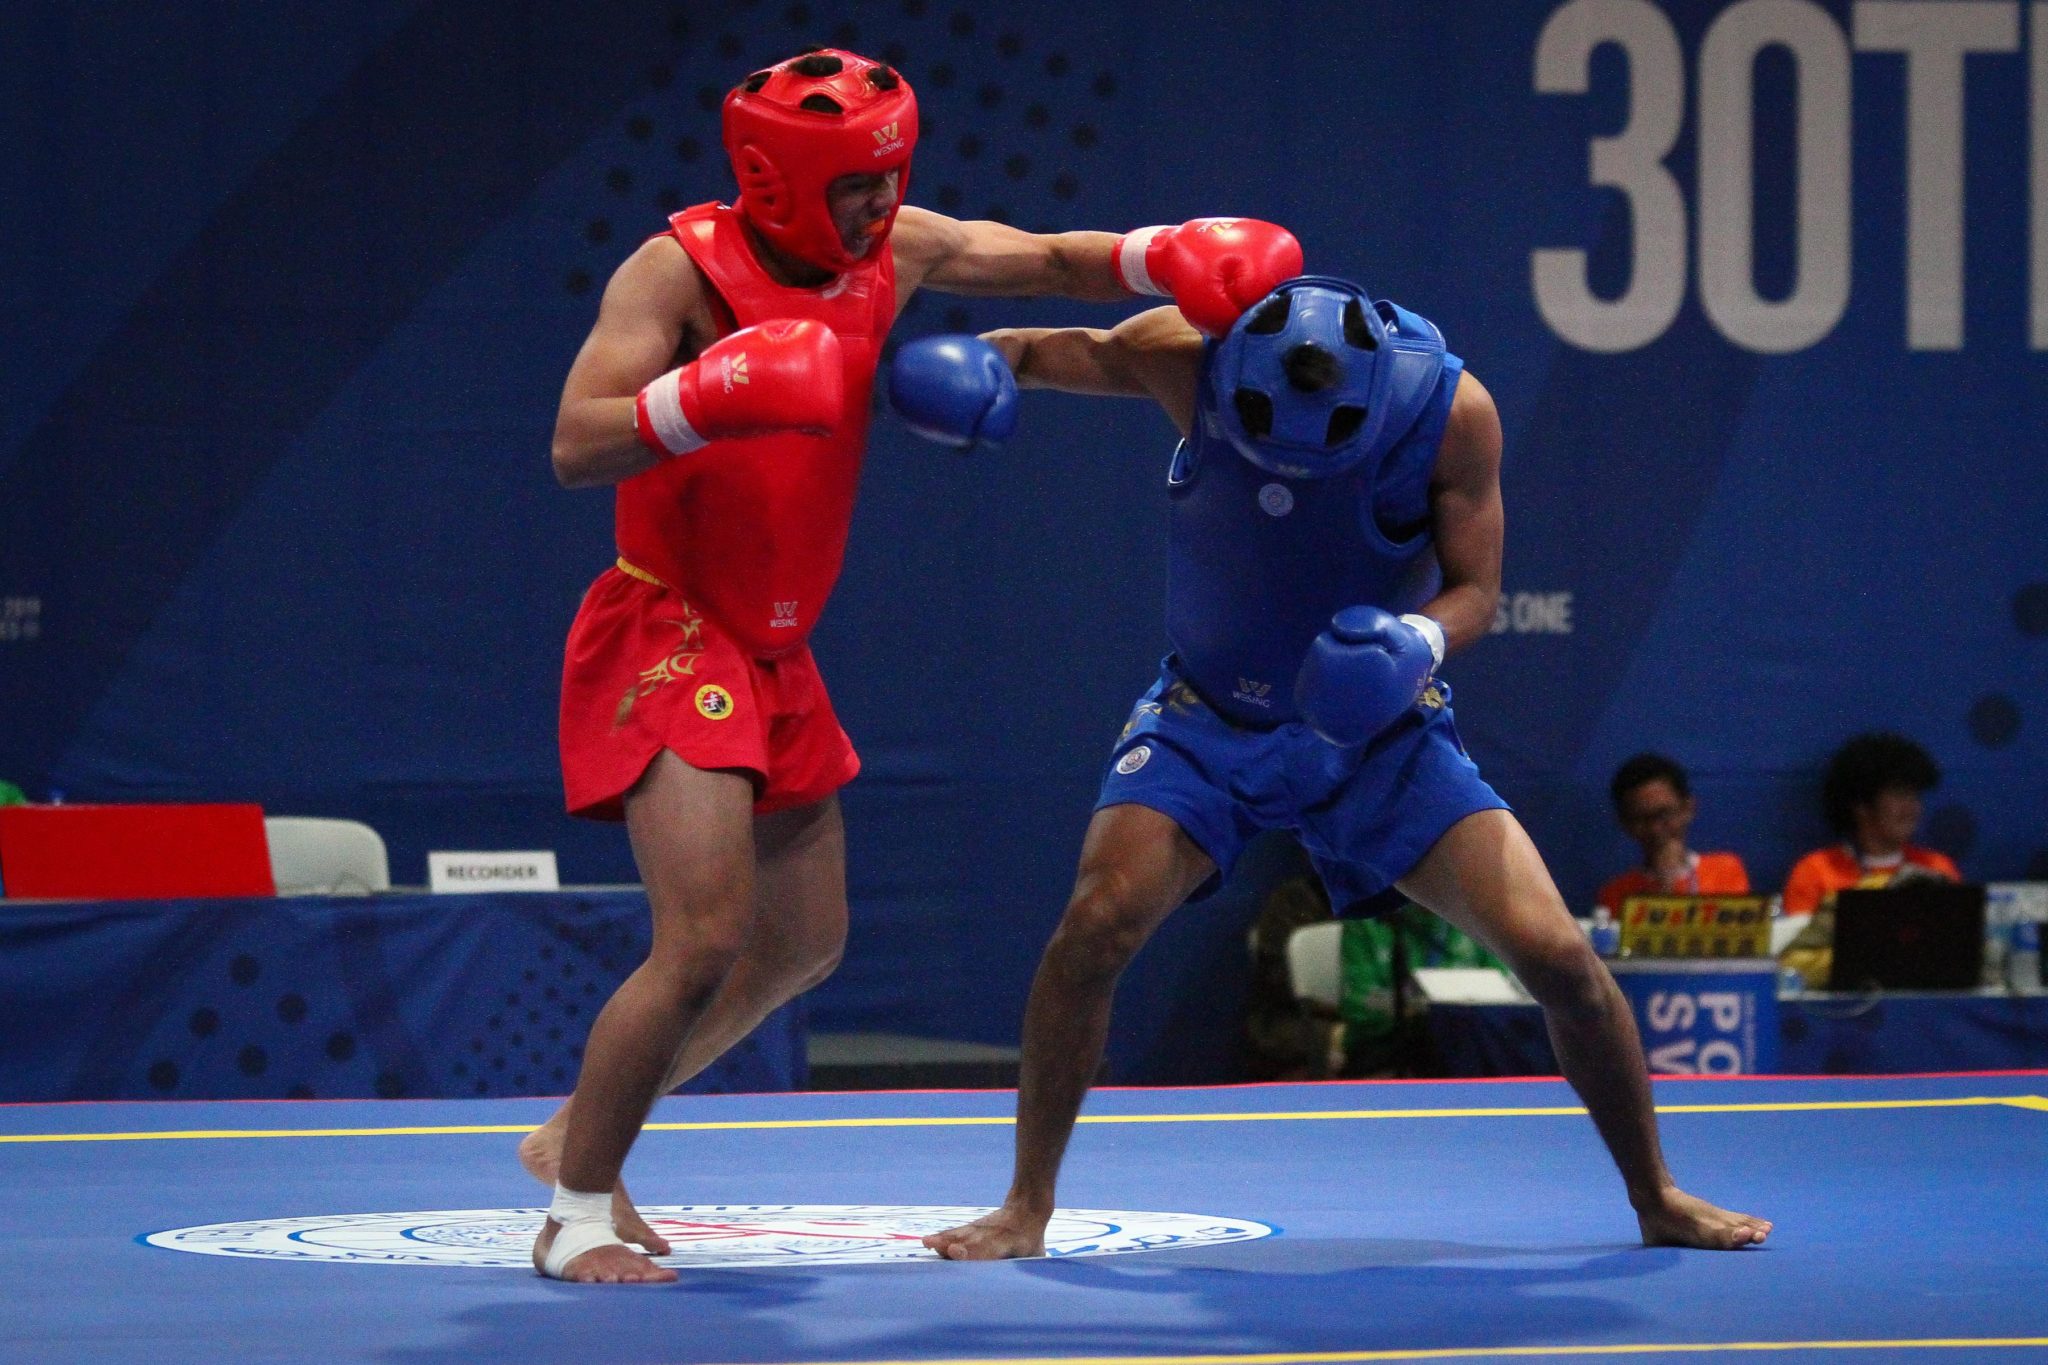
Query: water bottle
1606,934
2023,962
2000,915
1997,943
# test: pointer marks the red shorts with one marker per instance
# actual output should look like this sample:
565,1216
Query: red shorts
646,671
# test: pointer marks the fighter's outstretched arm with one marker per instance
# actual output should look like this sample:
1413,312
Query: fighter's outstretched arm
1212,268
1154,354
956,256
1466,517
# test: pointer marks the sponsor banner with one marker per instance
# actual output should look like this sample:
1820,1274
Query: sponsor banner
1705,1018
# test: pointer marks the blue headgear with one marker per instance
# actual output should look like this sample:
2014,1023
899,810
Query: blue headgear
1378,367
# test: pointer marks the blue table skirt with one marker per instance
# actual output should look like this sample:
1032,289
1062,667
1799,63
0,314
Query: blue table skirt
380,997
1819,1035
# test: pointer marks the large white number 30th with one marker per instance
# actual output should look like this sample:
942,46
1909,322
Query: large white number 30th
1933,36
1632,162
1821,177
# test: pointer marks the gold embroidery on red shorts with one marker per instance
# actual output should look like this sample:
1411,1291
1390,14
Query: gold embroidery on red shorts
679,662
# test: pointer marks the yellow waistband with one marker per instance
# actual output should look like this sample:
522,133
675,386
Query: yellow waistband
632,570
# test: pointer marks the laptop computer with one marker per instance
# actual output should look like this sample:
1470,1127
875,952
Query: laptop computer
1921,935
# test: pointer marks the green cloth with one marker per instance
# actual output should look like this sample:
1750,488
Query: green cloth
11,795
1372,1034
1290,1040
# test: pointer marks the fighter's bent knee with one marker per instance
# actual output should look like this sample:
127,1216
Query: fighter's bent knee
1564,973
1105,923
705,951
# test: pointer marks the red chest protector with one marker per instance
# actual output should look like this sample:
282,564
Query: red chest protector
753,532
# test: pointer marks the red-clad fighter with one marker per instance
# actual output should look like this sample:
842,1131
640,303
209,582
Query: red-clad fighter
724,390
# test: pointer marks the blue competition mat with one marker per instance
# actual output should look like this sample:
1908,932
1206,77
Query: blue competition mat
1248,1226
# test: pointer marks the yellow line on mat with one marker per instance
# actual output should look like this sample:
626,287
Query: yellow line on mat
1492,1352
985,1121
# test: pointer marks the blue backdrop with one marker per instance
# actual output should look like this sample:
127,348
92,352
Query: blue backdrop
291,291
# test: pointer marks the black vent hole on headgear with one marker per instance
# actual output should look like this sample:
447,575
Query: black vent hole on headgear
1255,412
752,84
1357,332
1310,368
1270,318
1345,423
822,104
883,78
818,64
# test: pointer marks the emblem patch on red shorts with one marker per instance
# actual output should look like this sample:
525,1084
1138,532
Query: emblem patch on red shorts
713,702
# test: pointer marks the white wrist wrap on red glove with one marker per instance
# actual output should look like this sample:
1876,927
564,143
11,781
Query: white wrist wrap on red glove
659,414
1130,261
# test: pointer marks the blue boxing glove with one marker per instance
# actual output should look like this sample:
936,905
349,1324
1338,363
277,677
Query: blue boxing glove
956,390
1365,672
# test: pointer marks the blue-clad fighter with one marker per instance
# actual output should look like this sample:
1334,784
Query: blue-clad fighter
1335,530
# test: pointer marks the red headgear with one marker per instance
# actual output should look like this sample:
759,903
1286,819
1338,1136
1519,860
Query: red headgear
798,126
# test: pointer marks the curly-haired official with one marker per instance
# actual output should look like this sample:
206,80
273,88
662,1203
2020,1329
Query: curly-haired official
1867,765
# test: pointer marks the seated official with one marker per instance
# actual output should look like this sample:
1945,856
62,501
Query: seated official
1654,802
1872,796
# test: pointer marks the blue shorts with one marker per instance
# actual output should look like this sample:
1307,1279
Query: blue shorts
1366,816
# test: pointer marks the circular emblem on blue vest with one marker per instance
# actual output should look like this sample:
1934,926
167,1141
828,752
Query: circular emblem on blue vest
1276,499
1134,760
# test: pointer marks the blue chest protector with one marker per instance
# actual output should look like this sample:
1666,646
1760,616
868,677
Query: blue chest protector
1258,563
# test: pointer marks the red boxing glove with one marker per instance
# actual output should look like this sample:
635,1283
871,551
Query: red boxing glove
775,376
1213,268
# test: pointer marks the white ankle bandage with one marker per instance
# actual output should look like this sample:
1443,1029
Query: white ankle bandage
586,1221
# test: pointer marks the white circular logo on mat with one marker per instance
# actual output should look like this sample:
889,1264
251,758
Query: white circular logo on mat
1134,760
1277,499
703,1235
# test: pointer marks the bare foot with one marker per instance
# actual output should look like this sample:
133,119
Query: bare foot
540,1152
612,1264
1678,1219
996,1236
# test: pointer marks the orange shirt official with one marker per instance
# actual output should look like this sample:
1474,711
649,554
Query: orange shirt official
1820,874
1712,874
